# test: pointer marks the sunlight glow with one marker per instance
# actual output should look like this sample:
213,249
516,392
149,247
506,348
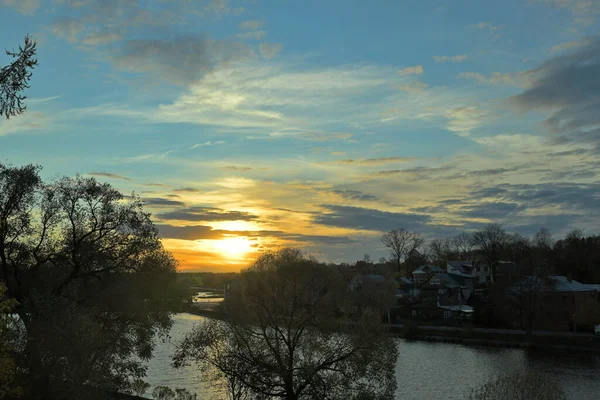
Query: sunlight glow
234,247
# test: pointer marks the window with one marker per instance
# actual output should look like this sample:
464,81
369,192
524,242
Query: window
564,297
447,314
414,313
441,291
435,281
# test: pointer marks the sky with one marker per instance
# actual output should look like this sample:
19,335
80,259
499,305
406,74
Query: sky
247,125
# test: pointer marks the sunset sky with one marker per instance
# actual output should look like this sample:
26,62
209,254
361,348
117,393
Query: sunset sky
319,124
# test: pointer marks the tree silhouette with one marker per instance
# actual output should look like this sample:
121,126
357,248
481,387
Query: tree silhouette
89,273
14,78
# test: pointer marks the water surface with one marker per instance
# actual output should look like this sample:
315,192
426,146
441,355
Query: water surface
424,370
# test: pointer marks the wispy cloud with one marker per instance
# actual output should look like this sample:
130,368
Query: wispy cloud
443,59
109,175
252,24
375,161
518,79
270,50
416,70
494,30
208,143
26,7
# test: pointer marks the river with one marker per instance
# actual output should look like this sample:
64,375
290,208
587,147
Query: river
424,370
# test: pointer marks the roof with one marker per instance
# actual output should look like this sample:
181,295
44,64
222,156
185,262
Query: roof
446,279
562,284
464,267
426,269
405,281
461,308
558,283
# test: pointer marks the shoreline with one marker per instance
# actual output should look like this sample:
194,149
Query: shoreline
501,338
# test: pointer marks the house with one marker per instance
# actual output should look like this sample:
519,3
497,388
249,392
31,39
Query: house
478,272
362,280
557,303
406,288
424,272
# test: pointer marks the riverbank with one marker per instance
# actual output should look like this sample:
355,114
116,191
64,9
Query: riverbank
582,342
506,338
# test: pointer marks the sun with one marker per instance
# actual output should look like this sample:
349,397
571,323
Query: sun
234,247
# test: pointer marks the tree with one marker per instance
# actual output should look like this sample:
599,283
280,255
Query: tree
441,251
14,78
87,269
286,335
520,386
543,239
491,242
463,244
402,244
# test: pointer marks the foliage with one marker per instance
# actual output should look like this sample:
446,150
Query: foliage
87,267
166,393
285,336
9,344
519,386
14,79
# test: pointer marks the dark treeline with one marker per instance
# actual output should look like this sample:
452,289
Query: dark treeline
574,255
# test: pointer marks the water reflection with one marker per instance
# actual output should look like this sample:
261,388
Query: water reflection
424,370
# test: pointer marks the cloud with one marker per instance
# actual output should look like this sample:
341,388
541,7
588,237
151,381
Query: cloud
352,194
569,196
270,50
251,24
567,86
584,12
109,175
324,136
158,201
416,70
491,210
156,184
368,219
273,98
414,87
257,35
187,190
196,232
32,121
376,161
209,143
490,27
67,28
497,78
463,120
26,7
101,38
207,214
237,168
443,59
180,60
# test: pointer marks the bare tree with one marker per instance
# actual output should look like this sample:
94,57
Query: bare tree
285,335
402,244
543,239
463,244
440,251
14,78
491,242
